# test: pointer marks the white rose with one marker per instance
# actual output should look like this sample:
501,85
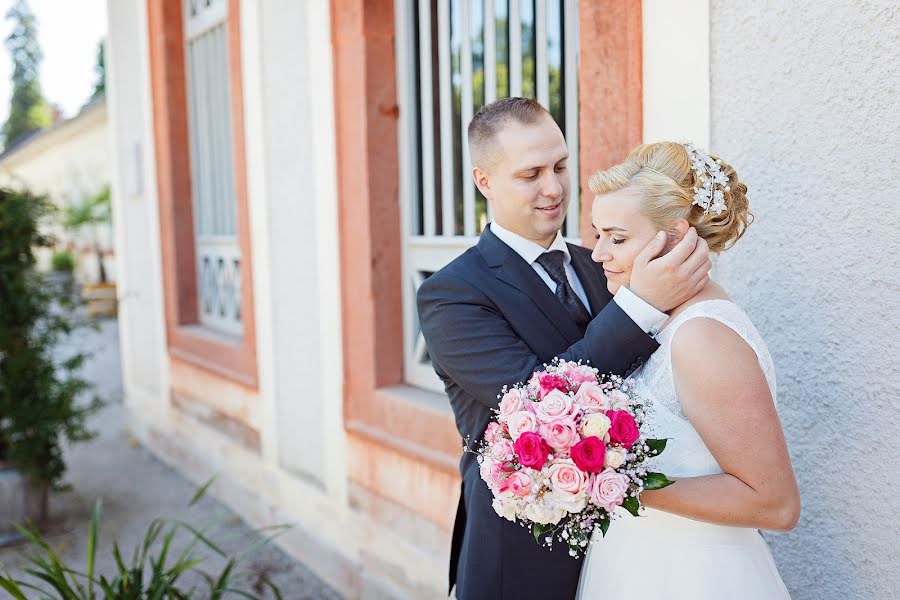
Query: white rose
544,513
506,509
595,424
615,457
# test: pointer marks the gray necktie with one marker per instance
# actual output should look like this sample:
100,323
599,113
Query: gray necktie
554,263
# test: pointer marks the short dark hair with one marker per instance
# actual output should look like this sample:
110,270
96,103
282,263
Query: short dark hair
488,121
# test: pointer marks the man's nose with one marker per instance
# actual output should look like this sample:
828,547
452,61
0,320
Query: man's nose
551,187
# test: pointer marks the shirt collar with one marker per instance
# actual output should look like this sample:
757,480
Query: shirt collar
527,249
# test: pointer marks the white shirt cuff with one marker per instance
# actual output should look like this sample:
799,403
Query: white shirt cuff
645,316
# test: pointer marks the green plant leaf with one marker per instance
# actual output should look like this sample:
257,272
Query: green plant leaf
632,505
604,525
92,547
656,446
199,535
7,583
222,582
201,492
538,530
656,481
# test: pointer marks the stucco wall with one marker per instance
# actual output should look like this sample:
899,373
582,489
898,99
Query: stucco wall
804,104
135,210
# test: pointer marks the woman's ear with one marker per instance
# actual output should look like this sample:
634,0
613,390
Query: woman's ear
675,233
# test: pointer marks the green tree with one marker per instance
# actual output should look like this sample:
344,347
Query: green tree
100,70
28,110
42,403
89,213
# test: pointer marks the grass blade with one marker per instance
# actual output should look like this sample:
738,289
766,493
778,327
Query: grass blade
201,492
11,587
199,535
92,547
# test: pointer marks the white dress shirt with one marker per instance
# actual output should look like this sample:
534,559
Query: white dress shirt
645,316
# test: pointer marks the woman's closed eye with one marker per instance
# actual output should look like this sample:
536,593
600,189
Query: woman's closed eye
614,240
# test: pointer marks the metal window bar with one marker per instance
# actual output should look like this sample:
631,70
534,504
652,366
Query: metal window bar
442,46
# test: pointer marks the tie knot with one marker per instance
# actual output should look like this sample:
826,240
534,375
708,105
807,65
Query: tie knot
553,262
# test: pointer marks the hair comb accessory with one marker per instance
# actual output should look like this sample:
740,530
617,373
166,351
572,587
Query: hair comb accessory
711,196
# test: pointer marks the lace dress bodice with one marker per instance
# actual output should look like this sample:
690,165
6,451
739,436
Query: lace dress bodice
686,454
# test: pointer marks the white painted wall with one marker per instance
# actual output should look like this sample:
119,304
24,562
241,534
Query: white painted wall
68,162
676,70
293,202
804,103
135,211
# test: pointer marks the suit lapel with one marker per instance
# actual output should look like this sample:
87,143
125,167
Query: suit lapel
592,278
512,269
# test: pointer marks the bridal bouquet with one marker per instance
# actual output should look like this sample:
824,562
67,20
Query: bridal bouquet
566,449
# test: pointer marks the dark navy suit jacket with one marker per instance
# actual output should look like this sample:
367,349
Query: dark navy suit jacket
489,320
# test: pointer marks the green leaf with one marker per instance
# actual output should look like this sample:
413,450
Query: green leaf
656,446
92,547
203,539
538,530
632,505
201,492
656,481
604,525
12,588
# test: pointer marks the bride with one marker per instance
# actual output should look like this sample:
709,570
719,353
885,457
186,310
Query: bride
711,386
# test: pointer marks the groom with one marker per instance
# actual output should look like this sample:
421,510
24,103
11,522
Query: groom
516,300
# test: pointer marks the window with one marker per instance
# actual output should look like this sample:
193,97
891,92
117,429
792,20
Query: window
218,258
453,57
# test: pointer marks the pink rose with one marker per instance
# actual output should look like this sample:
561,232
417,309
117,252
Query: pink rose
502,449
549,383
561,434
579,374
532,450
568,485
491,472
511,402
589,454
517,484
622,428
520,422
555,405
493,432
608,489
590,396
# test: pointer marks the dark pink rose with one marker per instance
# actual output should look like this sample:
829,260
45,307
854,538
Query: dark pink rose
552,382
532,450
589,454
622,428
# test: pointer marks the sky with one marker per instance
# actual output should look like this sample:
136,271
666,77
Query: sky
68,31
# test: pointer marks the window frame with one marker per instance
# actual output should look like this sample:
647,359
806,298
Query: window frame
232,357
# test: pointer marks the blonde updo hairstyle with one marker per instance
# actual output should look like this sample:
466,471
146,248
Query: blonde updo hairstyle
663,175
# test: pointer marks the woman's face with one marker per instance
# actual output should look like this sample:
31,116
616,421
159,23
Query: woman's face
622,232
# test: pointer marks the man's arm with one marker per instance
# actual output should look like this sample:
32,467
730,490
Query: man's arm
473,343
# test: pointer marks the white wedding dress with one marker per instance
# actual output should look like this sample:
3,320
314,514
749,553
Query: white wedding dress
662,555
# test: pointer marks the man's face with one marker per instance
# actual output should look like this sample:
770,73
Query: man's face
526,180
